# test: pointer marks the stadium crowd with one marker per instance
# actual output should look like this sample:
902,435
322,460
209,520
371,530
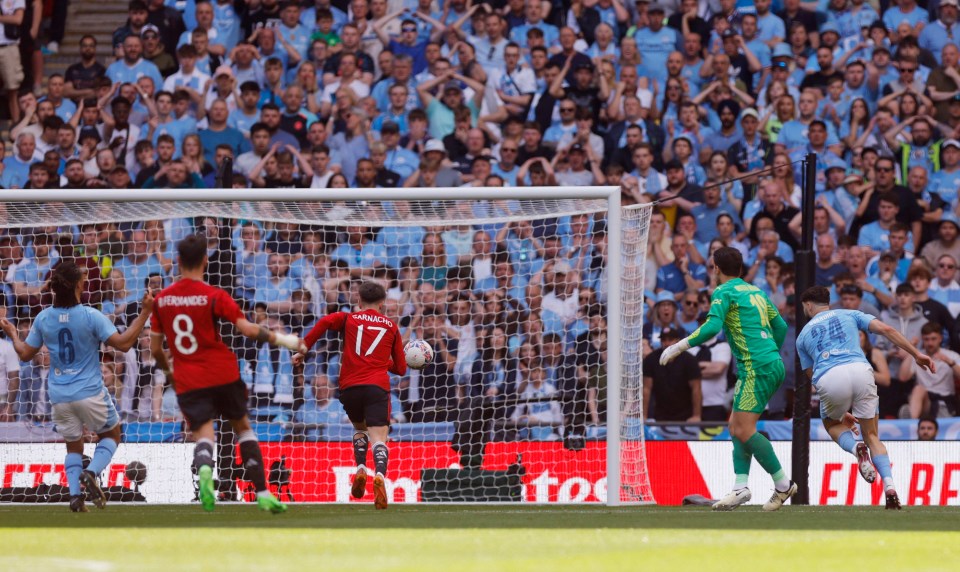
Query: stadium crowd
706,105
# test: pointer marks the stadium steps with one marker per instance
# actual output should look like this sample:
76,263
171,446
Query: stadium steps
98,18
95,17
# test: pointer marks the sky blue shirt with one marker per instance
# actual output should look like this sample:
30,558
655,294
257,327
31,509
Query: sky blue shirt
878,238
136,274
551,35
945,184
893,17
120,72
368,256
401,242
655,47
831,339
402,162
73,336
769,27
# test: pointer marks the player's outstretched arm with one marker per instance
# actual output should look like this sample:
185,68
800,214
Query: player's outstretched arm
24,351
262,334
329,322
704,333
123,342
922,359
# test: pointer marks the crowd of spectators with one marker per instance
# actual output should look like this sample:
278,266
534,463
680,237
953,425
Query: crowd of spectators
706,105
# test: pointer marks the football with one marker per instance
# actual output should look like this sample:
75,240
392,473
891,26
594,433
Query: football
418,354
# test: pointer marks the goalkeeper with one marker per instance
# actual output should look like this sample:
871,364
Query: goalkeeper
755,331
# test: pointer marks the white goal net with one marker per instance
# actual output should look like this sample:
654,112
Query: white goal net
528,398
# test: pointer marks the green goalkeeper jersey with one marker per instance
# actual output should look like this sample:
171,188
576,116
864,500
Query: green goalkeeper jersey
753,326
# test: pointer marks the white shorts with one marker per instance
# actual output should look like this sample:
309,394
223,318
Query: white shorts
846,387
97,414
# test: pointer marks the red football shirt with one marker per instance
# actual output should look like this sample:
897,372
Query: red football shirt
372,346
186,313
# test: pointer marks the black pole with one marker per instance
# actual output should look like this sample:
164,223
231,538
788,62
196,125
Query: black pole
224,176
805,279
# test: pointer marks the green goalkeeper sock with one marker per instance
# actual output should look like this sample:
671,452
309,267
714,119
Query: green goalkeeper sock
741,464
760,447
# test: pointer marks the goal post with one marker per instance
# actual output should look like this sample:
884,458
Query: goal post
606,463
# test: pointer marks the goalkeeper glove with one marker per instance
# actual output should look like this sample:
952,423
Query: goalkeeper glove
673,351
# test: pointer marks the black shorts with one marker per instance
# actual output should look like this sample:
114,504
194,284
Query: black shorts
202,405
367,404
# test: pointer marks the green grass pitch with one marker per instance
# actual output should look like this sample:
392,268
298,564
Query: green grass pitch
476,538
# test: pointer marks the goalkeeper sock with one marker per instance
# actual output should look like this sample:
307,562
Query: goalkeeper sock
102,456
380,456
882,463
848,442
760,447
252,460
360,444
203,454
741,464
73,466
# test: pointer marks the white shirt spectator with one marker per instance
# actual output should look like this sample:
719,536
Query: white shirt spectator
714,389
330,91
196,80
941,382
9,366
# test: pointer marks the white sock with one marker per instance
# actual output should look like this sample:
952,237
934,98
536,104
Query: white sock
782,484
261,494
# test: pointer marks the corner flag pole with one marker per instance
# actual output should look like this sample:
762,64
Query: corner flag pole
805,279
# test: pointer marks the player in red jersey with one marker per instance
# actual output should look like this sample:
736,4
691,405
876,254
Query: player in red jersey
372,347
207,378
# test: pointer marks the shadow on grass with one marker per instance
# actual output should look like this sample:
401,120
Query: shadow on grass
363,516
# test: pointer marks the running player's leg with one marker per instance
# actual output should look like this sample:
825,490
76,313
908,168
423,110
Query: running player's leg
253,465
203,462
102,455
750,400
70,426
99,414
73,467
835,391
381,456
199,410
878,452
376,411
361,443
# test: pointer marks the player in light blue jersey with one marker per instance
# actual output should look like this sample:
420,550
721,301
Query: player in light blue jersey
830,353
73,334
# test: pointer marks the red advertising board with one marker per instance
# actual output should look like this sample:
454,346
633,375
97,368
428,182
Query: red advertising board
924,473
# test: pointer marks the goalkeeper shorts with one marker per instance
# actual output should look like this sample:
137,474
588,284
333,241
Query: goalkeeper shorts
756,385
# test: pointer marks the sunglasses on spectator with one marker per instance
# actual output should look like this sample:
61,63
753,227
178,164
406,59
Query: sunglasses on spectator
690,302
908,70
884,169
948,266
567,110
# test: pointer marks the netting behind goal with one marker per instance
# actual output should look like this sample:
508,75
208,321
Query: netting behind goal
511,294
